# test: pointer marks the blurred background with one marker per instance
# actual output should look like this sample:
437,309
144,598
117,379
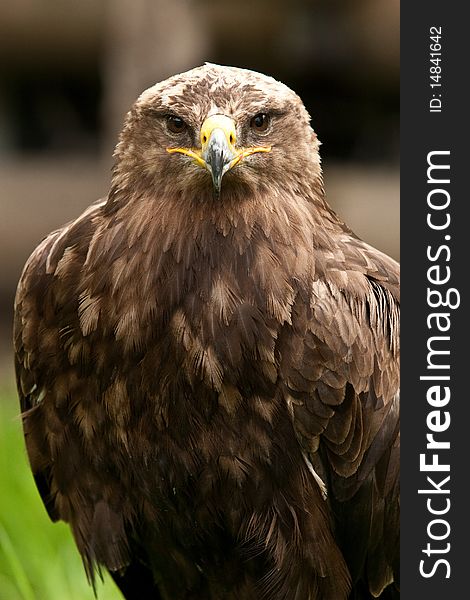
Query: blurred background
69,72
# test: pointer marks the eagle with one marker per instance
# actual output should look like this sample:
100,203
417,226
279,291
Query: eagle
208,361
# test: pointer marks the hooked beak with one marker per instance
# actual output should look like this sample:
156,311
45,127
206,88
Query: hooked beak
218,153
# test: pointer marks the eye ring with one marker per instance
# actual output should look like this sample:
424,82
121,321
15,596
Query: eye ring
260,122
175,124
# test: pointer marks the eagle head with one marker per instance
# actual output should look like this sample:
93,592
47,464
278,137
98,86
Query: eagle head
216,130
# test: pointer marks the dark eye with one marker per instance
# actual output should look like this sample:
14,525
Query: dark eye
260,122
175,124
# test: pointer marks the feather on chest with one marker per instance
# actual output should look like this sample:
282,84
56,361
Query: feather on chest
160,287
209,289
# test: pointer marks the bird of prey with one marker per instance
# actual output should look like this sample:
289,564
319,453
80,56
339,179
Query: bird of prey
207,361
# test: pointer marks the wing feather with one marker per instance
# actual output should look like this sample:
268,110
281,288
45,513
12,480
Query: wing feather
343,371
55,367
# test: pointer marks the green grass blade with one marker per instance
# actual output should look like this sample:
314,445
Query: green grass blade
20,578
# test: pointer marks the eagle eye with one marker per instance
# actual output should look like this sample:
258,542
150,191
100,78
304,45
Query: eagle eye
175,124
260,122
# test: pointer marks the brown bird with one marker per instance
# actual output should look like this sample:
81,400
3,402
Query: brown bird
207,361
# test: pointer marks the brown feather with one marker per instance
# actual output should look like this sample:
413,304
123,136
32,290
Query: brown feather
195,371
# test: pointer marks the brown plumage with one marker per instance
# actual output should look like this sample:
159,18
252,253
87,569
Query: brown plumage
208,366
